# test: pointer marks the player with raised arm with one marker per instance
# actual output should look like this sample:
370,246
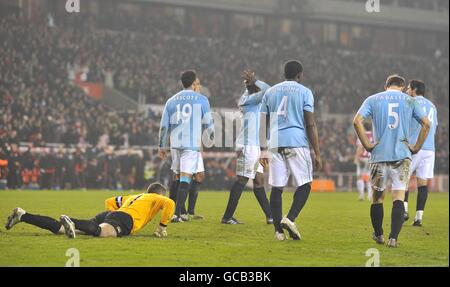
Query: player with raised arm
248,150
185,118
391,112
362,168
292,129
422,162
128,218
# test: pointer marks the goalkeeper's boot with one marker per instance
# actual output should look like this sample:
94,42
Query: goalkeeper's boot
417,223
69,226
14,218
378,239
291,228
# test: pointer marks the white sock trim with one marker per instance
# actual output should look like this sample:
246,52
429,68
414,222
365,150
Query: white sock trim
419,215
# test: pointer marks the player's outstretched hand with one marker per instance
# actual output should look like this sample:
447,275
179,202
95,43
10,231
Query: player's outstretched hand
161,231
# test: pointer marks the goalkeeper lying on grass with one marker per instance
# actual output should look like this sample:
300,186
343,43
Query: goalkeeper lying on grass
125,216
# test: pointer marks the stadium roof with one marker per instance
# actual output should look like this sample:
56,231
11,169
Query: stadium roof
332,10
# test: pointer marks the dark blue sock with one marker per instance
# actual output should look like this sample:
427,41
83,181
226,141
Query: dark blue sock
173,189
89,227
406,196
43,222
300,197
376,215
398,209
276,207
260,194
181,198
422,195
193,195
233,200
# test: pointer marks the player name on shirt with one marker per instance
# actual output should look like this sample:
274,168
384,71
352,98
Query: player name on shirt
185,97
391,97
287,89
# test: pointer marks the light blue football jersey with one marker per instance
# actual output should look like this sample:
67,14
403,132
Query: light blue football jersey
184,117
431,111
392,113
286,103
249,106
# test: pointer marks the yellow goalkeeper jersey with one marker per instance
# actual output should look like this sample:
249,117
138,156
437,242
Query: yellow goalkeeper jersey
144,207
114,203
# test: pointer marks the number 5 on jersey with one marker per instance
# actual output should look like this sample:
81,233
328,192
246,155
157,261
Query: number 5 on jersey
394,114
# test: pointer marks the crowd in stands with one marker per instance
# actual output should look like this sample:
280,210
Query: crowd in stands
107,168
78,168
148,62
60,167
39,105
437,5
137,57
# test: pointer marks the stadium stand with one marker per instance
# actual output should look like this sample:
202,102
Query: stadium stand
40,105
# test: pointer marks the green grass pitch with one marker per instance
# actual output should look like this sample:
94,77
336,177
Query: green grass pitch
336,231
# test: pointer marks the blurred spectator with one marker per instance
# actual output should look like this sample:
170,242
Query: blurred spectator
93,175
126,170
79,166
59,169
47,164
109,168
14,168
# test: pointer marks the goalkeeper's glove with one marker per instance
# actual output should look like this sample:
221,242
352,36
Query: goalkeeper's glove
161,231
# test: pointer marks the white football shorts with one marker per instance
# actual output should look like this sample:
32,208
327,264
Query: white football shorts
423,164
287,161
187,161
247,162
397,172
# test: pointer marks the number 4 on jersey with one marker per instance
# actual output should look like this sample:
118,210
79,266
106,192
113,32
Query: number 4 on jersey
282,109
430,114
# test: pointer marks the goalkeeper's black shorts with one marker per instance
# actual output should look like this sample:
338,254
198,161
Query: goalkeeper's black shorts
121,221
